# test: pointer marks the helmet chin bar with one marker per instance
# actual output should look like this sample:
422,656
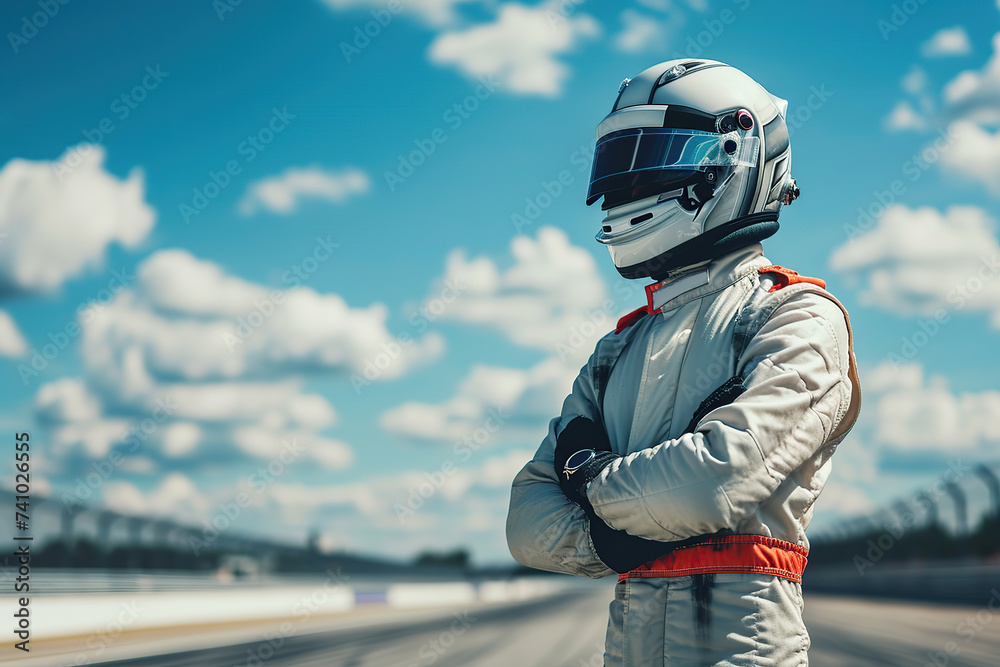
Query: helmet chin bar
725,238
628,222
675,216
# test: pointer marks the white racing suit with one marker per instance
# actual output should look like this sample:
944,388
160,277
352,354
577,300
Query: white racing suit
752,467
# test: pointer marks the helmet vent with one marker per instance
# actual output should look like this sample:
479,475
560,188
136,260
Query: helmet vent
640,218
779,172
677,71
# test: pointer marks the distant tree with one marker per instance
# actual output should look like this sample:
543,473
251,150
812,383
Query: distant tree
459,558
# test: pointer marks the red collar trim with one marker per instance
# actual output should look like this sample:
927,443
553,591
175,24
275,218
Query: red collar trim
649,296
631,318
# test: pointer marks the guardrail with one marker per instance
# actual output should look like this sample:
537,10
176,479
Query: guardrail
969,583
168,604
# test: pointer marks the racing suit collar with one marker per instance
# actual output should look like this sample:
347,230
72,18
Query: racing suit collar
695,281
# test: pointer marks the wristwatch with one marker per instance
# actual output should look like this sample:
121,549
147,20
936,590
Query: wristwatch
577,460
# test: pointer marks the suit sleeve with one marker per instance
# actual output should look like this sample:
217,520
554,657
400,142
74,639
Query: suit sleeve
545,530
797,374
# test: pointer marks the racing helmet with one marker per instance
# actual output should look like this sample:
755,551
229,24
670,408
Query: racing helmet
692,162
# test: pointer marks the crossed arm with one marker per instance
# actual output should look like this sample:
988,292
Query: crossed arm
798,390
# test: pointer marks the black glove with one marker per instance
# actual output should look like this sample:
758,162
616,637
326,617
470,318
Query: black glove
581,433
619,550
616,548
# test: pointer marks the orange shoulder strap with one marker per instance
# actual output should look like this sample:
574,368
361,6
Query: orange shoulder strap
786,277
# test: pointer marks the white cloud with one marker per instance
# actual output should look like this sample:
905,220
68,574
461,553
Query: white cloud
258,418
282,194
444,421
432,12
58,220
278,403
917,261
907,415
39,485
95,438
551,294
918,413
551,298
376,498
975,95
176,282
904,117
221,360
886,378
175,495
362,496
974,154
181,438
915,81
947,42
499,471
75,418
639,32
187,319
489,400
12,343
520,48
971,102
268,443
139,465
65,400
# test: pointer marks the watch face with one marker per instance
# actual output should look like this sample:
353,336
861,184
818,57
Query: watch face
578,459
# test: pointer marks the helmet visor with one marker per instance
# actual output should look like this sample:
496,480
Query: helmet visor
644,156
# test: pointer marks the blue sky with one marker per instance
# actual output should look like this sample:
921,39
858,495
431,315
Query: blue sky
508,96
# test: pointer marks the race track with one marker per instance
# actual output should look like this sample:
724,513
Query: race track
568,630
